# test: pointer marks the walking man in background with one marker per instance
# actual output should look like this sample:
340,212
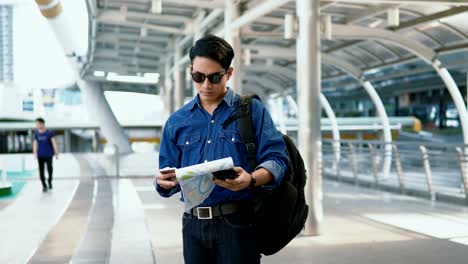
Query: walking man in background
44,148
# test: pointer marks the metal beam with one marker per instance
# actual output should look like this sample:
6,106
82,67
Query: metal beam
132,46
165,29
370,12
123,58
130,52
408,2
199,4
430,18
356,32
114,14
118,68
256,12
409,25
116,37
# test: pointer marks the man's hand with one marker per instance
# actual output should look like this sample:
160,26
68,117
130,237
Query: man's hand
166,180
240,183
56,156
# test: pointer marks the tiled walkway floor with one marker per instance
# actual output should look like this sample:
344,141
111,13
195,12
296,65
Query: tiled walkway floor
107,220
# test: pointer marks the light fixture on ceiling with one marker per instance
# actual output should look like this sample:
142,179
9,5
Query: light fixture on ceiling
156,6
326,23
393,17
290,26
99,73
247,54
147,78
143,32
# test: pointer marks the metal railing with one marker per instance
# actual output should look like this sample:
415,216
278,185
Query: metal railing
433,170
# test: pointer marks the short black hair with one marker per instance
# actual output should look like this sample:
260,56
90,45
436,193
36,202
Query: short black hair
214,48
40,120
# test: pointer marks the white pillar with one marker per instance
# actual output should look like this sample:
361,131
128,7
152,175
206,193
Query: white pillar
280,111
198,34
231,12
66,31
99,109
308,90
334,124
178,87
67,140
168,90
386,126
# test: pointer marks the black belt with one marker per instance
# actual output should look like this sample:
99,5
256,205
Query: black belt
209,212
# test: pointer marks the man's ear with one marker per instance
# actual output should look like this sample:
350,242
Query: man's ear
229,73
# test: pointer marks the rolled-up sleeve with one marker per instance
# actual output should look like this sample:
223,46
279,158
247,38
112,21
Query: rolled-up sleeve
270,147
168,157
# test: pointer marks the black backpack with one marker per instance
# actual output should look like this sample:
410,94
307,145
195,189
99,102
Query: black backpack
280,214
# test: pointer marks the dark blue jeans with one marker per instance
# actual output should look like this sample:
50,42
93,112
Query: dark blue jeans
224,240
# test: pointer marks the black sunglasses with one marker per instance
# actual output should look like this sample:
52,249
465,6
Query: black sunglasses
214,78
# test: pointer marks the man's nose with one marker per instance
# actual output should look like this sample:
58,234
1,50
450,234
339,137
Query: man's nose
206,83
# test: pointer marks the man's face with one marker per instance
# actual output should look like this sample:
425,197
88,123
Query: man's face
208,91
39,125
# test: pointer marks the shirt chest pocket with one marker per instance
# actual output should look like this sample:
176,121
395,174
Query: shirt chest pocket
230,136
187,142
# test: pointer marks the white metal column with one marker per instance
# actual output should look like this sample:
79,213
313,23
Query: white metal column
67,140
231,12
178,87
66,32
197,34
334,124
386,126
308,89
97,104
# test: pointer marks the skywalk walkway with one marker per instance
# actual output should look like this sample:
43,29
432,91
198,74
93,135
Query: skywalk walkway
94,218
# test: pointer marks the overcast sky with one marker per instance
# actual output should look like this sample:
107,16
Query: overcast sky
39,59
40,62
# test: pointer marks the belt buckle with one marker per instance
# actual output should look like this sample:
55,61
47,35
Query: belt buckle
204,213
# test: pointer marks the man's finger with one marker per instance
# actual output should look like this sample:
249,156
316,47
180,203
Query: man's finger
232,181
238,169
166,176
222,183
165,183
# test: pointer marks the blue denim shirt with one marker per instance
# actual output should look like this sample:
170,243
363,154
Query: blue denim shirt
191,136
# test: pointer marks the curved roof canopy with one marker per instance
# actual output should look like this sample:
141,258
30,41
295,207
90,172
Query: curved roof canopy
133,37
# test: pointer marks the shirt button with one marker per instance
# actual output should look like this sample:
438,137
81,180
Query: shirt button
186,142
233,139
209,141
212,121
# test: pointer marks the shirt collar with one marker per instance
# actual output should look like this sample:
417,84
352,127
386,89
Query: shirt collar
228,98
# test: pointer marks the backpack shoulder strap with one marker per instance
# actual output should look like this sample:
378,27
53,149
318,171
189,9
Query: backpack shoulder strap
244,121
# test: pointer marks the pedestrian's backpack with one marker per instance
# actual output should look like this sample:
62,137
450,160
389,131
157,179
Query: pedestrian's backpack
280,214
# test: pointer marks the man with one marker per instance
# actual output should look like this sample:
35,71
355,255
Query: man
44,148
193,134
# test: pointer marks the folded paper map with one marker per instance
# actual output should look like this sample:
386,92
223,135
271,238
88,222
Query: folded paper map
197,181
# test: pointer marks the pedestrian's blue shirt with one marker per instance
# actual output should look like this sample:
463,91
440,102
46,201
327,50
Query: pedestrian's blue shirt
44,143
192,136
